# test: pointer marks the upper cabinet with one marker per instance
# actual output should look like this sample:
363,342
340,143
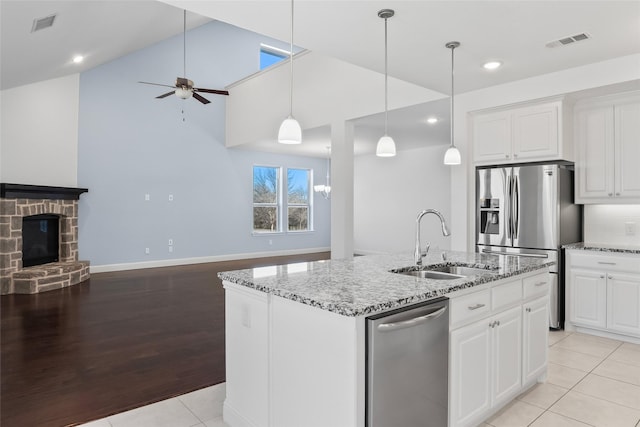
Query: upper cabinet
607,133
525,133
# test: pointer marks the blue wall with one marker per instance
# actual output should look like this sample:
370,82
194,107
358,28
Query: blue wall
131,144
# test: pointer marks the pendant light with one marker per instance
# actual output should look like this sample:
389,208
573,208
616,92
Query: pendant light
386,146
452,156
290,131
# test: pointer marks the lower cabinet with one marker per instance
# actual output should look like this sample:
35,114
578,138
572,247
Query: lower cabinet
493,359
604,292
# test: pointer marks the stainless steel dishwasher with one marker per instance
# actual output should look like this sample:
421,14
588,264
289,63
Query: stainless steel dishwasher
407,366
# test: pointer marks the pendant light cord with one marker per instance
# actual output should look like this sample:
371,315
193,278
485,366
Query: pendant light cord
386,91
451,112
291,66
184,43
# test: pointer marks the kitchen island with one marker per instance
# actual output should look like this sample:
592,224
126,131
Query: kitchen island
295,334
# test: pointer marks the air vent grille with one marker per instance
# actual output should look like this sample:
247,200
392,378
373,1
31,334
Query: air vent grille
42,23
569,40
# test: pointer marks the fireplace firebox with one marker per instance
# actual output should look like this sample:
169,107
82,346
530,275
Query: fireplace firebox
40,244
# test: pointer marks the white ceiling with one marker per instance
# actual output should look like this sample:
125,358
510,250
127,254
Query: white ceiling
514,32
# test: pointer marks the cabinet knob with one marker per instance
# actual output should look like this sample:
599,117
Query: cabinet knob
617,194
515,155
610,194
602,276
610,277
506,156
528,309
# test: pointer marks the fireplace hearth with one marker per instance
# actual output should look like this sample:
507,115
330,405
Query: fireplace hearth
39,238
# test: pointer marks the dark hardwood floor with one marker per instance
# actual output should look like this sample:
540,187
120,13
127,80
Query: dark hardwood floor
115,342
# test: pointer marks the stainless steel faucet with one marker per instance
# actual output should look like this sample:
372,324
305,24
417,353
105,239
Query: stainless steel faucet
419,254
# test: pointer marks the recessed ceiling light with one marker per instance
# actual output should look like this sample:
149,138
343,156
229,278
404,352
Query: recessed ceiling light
492,65
78,59
432,120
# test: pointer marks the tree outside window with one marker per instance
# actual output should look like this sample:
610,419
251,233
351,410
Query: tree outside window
298,209
266,199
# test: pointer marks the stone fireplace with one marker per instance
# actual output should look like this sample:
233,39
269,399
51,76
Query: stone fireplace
27,201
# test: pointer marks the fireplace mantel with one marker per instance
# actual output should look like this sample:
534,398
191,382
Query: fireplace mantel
24,191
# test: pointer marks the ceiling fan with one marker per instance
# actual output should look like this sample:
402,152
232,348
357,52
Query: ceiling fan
184,87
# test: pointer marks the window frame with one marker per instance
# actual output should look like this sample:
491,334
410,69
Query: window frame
274,51
278,203
308,205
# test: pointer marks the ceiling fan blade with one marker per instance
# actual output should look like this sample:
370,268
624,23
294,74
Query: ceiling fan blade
155,84
164,95
217,92
200,98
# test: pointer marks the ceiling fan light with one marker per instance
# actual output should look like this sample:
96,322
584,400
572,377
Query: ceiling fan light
290,132
183,93
386,147
452,156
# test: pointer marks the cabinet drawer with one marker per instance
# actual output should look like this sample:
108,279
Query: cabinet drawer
604,261
470,306
536,285
507,294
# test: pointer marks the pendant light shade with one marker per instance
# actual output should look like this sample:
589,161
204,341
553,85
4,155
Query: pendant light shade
452,156
386,146
290,131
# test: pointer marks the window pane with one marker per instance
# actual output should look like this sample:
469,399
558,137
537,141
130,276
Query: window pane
299,219
298,186
265,219
265,184
268,58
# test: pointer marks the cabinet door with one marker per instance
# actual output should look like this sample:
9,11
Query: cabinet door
623,303
470,363
595,165
627,150
507,356
588,298
535,132
535,327
492,137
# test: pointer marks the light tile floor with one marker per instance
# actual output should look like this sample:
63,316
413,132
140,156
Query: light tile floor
591,381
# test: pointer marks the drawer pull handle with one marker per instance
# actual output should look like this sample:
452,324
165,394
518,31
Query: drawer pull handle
475,307
606,263
540,283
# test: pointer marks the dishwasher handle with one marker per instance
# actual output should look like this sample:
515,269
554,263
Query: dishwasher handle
389,327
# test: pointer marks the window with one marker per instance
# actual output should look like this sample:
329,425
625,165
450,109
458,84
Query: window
266,199
298,184
270,55
268,211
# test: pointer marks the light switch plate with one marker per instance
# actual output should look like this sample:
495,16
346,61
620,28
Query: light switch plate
630,228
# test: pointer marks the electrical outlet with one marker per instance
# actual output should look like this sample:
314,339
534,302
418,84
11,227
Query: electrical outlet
630,228
171,197
147,251
170,242
170,249
147,197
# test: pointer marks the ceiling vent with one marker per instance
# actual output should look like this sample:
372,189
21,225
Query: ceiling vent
569,40
42,23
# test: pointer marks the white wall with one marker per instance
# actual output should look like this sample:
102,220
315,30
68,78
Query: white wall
605,224
604,73
390,192
39,139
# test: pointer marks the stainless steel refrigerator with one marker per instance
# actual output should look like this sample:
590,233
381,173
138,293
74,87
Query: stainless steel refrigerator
527,210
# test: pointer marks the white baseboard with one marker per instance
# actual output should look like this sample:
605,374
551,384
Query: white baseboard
199,260
233,417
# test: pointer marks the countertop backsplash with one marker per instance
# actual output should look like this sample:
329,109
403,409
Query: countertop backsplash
605,225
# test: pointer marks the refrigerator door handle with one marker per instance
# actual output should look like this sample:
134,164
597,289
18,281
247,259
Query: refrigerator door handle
516,204
507,204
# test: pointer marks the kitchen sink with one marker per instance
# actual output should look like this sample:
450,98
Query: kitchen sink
443,272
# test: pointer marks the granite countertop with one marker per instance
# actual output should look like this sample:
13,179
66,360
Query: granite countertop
603,248
364,285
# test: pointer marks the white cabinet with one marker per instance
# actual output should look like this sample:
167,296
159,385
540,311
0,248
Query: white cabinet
535,327
604,292
607,133
521,134
588,297
498,346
